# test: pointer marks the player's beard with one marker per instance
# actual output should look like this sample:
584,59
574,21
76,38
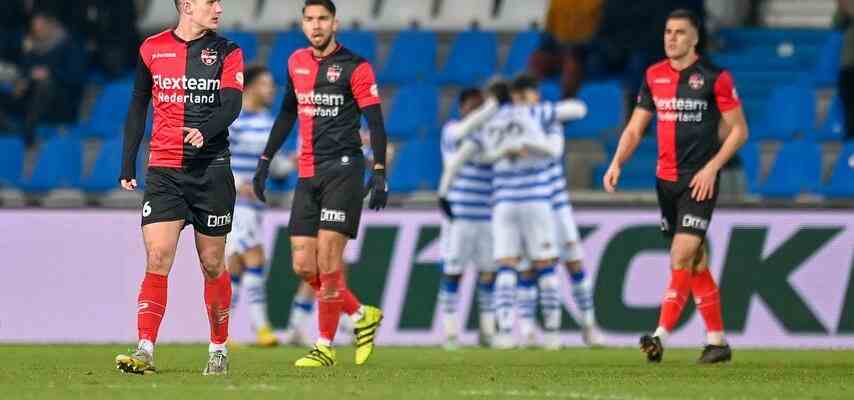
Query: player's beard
322,47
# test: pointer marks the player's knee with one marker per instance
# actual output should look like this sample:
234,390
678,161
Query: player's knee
304,266
545,263
487,277
213,263
681,259
528,274
159,259
574,266
509,261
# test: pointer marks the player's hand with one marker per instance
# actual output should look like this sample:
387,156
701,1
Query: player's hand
445,207
247,191
611,178
128,184
194,137
259,181
378,189
703,184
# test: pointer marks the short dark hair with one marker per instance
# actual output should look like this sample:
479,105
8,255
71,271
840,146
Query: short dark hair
253,72
327,4
178,5
469,93
525,82
686,14
500,88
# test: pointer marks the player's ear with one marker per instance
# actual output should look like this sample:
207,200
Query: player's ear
335,23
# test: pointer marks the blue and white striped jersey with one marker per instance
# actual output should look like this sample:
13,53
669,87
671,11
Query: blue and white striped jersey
470,193
247,137
546,114
517,179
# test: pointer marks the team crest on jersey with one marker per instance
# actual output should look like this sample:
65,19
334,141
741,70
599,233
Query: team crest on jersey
333,73
209,56
696,81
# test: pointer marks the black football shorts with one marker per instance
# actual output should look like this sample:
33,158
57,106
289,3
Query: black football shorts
331,199
679,212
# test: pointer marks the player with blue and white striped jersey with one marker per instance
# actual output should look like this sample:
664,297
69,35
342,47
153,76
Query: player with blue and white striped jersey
526,92
466,239
244,245
522,220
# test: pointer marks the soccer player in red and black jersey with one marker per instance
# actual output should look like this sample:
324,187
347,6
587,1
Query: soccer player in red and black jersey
691,98
329,89
194,79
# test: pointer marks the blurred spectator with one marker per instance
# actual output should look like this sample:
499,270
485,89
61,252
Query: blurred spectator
570,24
109,29
13,23
844,20
51,72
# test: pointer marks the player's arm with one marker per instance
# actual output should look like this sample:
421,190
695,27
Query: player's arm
135,124
703,183
631,137
473,121
363,84
278,134
454,164
230,102
552,142
570,110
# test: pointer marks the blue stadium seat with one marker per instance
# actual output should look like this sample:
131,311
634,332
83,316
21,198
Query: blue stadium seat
418,49
833,127
841,184
417,166
284,44
789,111
248,43
604,110
58,165
107,168
414,109
11,160
550,90
107,117
826,71
750,161
796,170
363,43
472,59
636,175
524,44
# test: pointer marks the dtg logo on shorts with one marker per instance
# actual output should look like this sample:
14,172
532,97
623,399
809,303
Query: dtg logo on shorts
327,215
690,221
218,221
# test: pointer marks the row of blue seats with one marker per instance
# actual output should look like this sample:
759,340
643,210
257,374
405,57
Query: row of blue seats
473,56
797,169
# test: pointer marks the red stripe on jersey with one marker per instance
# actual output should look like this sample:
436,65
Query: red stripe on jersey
663,82
364,86
304,67
232,70
167,60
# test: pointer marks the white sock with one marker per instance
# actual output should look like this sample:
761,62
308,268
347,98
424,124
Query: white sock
323,342
549,300
213,347
357,316
526,306
582,293
146,345
486,305
661,333
448,298
256,290
301,309
505,296
345,324
715,338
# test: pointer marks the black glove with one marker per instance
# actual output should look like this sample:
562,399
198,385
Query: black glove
445,207
259,182
378,188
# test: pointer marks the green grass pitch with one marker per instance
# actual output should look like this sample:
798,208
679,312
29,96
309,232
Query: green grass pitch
88,372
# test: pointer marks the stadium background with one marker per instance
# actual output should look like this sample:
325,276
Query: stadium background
782,242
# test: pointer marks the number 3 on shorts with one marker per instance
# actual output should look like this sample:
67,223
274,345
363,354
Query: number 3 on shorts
146,209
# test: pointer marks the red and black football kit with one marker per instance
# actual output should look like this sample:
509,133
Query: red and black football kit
329,96
196,84
688,106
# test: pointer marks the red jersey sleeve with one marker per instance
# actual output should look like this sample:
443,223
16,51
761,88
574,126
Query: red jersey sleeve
232,70
725,93
364,86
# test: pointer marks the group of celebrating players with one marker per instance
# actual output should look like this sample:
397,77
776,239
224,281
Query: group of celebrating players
503,190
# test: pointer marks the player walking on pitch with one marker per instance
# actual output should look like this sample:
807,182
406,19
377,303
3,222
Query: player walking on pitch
690,96
329,88
195,80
